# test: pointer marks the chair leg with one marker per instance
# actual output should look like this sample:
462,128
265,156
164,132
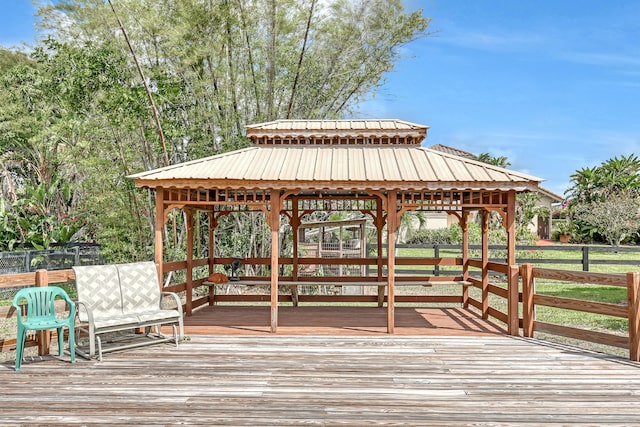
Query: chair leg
20,339
72,346
60,341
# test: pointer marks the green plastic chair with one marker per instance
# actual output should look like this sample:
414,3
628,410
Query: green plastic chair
41,315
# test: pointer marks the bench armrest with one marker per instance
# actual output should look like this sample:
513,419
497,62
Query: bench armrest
176,298
82,306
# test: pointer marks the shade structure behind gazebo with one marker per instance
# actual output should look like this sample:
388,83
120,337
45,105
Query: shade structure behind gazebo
376,167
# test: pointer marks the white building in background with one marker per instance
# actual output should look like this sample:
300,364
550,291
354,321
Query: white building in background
540,226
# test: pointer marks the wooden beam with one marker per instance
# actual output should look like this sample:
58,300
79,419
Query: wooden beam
582,334
528,308
511,227
513,300
485,264
189,275
513,277
464,225
160,215
379,223
603,308
212,250
392,228
295,226
633,292
274,224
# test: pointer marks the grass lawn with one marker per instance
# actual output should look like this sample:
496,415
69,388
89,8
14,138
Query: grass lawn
606,294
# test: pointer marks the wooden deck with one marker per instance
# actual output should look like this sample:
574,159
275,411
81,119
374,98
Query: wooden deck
337,320
273,380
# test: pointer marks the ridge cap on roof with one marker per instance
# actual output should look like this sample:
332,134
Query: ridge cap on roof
272,122
483,164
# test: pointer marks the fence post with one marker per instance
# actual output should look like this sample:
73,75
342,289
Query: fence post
44,337
436,254
513,301
633,293
528,308
585,258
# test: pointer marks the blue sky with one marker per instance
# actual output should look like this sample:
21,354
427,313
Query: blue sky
553,85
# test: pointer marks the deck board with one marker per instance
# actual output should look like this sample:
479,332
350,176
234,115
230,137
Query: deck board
328,380
338,320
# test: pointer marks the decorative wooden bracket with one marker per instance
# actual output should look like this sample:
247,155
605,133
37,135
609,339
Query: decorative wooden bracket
502,213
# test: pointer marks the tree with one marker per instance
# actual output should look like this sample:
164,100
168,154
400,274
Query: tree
615,218
233,62
614,176
501,161
594,192
60,117
79,106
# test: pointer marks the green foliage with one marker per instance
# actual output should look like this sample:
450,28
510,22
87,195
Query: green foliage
441,236
75,118
10,59
500,161
615,218
604,200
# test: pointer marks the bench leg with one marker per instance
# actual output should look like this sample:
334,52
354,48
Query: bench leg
99,349
175,334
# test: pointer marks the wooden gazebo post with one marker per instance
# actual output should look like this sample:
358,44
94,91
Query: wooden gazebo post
513,326
464,225
189,276
485,263
392,227
274,224
159,225
212,250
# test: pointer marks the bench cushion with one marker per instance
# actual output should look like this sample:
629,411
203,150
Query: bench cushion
140,287
154,315
98,287
120,320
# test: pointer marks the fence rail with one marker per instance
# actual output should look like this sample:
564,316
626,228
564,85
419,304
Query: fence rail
482,273
586,256
530,299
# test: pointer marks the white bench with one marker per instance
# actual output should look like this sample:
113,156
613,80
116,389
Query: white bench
120,297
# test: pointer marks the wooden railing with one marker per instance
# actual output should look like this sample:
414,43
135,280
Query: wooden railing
529,298
510,294
585,257
631,312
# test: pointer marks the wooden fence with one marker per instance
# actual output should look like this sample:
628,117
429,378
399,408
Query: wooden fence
481,280
631,312
585,256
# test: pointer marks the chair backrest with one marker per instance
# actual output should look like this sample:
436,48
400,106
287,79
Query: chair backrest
140,286
40,301
98,286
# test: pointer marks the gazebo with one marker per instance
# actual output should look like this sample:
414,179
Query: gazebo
375,167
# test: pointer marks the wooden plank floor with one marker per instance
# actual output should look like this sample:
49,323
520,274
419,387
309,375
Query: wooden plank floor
337,320
273,380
